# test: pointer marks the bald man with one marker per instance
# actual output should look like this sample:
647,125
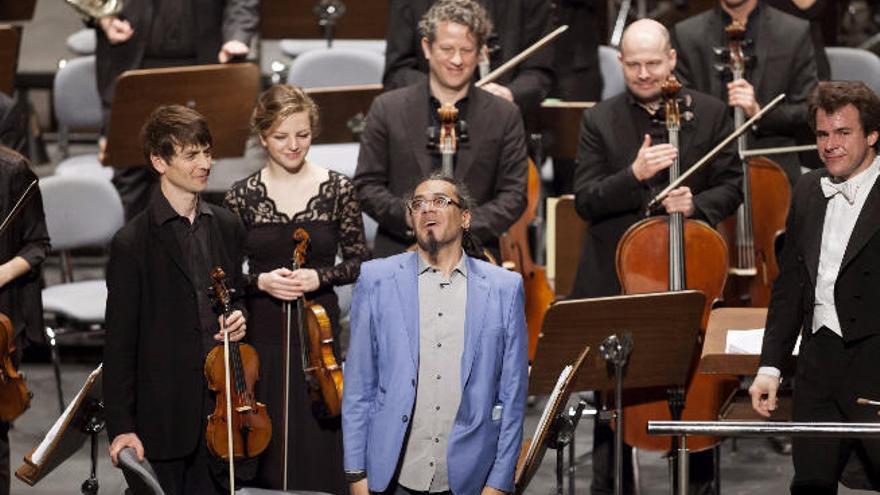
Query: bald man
622,162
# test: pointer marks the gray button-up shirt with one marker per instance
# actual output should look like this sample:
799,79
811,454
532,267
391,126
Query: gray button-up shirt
442,305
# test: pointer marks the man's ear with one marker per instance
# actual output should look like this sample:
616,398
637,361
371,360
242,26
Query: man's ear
426,48
872,138
466,219
158,163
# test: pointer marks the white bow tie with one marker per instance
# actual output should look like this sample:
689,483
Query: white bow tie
846,189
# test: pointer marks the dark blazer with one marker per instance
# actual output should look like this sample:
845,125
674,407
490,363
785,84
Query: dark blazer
28,238
153,361
576,52
783,62
394,157
519,23
217,21
857,287
609,197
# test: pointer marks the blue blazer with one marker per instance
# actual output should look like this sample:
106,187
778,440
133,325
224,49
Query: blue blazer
382,368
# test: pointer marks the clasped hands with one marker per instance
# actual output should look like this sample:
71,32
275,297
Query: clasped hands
651,160
288,285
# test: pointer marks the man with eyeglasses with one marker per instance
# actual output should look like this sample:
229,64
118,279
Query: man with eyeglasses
437,371
395,153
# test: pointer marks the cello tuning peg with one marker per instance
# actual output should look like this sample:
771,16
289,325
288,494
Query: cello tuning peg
721,51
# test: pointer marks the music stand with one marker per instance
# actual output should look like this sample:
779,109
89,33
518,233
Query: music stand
225,94
83,419
555,429
10,42
343,111
663,330
288,19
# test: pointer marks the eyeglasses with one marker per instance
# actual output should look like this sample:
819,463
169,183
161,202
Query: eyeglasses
439,203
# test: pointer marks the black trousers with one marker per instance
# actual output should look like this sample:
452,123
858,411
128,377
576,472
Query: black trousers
831,375
5,476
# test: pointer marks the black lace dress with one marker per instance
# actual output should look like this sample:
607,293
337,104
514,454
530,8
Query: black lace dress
333,220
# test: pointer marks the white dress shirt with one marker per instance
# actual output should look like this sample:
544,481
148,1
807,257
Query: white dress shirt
844,205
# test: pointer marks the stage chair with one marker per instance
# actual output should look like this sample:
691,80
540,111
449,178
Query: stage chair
336,67
141,474
854,64
82,42
612,72
295,47
78,106
80,212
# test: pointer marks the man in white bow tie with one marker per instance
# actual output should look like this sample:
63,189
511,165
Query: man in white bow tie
829,286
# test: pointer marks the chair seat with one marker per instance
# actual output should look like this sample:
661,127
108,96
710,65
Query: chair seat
296,47
84,165
82,301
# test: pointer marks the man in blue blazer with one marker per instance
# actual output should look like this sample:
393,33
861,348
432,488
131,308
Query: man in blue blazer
436,375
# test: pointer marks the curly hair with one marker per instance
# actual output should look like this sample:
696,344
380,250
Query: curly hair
279,102
465,12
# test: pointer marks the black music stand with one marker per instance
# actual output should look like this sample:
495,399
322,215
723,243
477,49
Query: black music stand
555,430
655,338
83,419
225,94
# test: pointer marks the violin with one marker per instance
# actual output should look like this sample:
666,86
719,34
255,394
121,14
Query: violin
693,256
323,373
15,397
766,196
239,424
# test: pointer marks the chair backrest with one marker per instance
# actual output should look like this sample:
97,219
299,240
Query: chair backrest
854,64
80,211
336,67
140,474
75,95
612,72
82,42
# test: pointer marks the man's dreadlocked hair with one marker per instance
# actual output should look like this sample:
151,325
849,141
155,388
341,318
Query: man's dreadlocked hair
469,242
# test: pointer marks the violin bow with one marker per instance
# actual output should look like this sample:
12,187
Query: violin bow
513,62
712,153
16,209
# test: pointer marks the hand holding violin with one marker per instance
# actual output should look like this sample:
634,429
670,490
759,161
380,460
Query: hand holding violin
235,326
288,285
742,94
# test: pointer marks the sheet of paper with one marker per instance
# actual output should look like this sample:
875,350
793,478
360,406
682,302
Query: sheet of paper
749,342
545,416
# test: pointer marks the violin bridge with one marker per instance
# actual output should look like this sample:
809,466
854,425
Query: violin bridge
242,409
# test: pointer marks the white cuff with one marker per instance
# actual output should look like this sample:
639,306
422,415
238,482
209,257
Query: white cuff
770,371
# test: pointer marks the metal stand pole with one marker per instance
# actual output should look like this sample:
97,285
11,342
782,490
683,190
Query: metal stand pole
683,477
564,426
93,427
616,350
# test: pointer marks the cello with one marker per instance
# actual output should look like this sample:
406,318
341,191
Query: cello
693,256
239,424
766,196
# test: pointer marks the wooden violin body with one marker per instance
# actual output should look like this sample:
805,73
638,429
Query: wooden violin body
251,427
323,373
249,424
516,254
642,266
14,395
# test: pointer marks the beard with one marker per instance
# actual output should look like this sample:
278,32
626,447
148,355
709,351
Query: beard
430,245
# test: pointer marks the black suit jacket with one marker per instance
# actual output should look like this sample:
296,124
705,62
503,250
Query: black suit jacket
856,290
609,197
154,381
784,62
519,23
217,21
394,157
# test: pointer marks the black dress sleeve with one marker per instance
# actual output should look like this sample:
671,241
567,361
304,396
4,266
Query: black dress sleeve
352,240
